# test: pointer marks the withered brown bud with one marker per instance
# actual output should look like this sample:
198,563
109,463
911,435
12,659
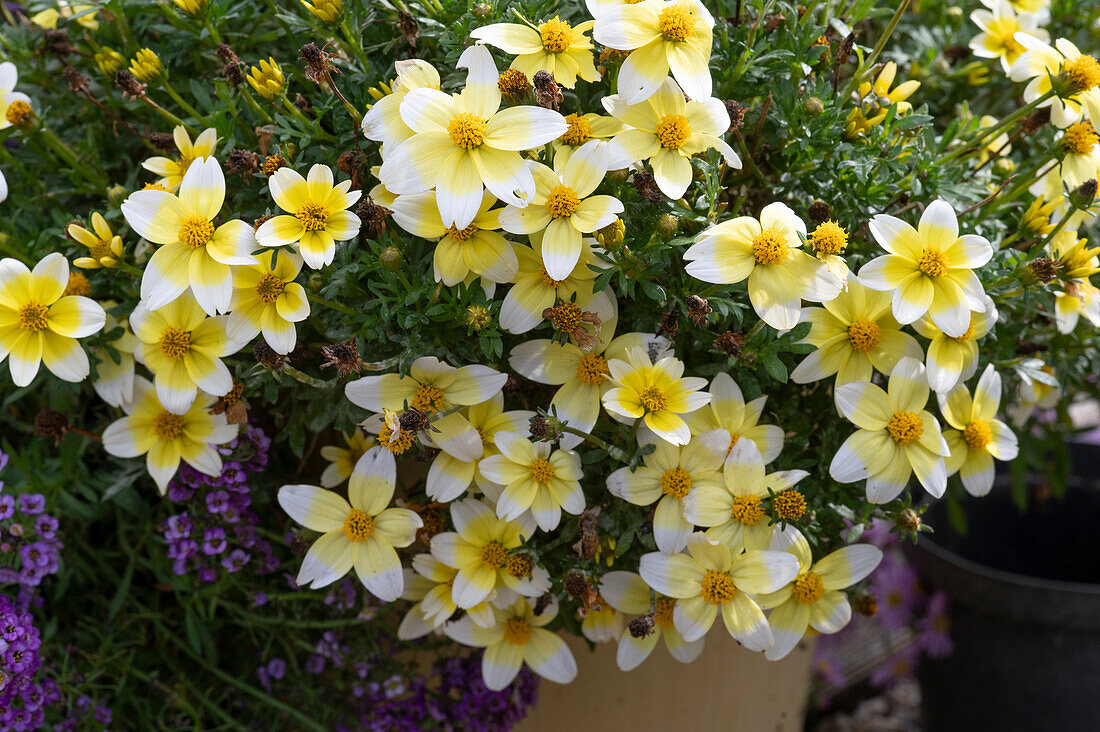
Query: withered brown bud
730,343
586,546
576,585
867,605
129,85
909,520
1037,120
410,31
819,212
1044,269
162,141
50,423
414,420
641,626
772,22
547,92
226,54
373,217
234,73
670,324
317,62
698,310
241,161
303,104
264,133
232,405
539,427
845,49
78,82
646,186
349,161
56,41
344,356
736,113
266,356
1083,195
955,54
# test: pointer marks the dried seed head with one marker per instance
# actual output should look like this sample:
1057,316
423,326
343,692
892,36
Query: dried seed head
267,357
414,420
576,585
641,626
409,28
1037,120
344,356
698,310
129,85
646,185
547,92
730,343
1043,269
244,162
736,113
373,217
819,212
78,82
670,324
50,423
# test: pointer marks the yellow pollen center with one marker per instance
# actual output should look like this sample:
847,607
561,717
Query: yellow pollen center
557,35
549,281
905,427
513,83
789,504
932,262
676,482
562,202
1080,138
978,434
808,588
541,470
517,632
78,285
494,555
733,441
168,426
653,399
592,369
314,216
747,510
677,23
18,112
427,399
864,335
520,566
579,132
195,231
662,616
965,336
673,131
770,246
175,342
269,288
717,587
461,234
466,130
396,446
33,317
829,238
358,526
1082,72
566,316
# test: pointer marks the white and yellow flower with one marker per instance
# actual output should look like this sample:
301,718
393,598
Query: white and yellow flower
728,411
9,77
554,46
267,300
104,246
172,171
657,393
166,437
382,122
535,478
999,26
602,623
897,436
114,381
954,360
708,580
318,215
768,252
1078,296
930,269
39,323
430,587
535,290
583,128
1080,145
342,460
360,532
628,593
979,436
1074,77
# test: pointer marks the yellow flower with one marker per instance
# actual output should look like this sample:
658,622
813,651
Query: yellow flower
318,215
628,593
267,299
165,437
535,290
659,394
829,240
999,26
267,79
9,77
343,459
328,11
875,100
431,588
897,436
728,411
992,148
359,533
555,46
768,252
382,122
1080,145
109,60
171,171
192,7
1078,295
662,36
535,479
104,246
146,66
978,436
87,15
582,129
1036,219
954,360
1073,76
40,324
930,269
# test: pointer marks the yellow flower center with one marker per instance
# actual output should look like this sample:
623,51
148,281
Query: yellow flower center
494,555
789,504
1080,138
461,234
905,427
592,369
562,202
513,83
78,285
673,131
175,342
770,246
829,238
557,35
677,23
717,587
541,470
932,262
733,441
965,336
358,526
808,588
314,216
517,632
168,426
566,316
978,434
549,281
579,132
864,335
154,187
396,446
1083,73
269,288
676,482
520,566
653,399
195,231
32,316
18,112
466,130
747,510
662,616
427,399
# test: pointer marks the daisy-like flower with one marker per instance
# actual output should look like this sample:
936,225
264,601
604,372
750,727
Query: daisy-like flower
535,290
104,246
482,549
183,348
814,598
728,411
1080,145
954,360
828,241
564,209
668,477
999,25
930,269
267,299
855,334
662,36
768,252
667,130
897,436
978,436
583,128
1076,299
479,249
114,381
875,100
342,460
708,579
382,122
39,323
628,593
318,215
430,587
166,437
464,143
733,508
193,253
9,77
360,532
518,637
602,623
1074,77
657,393
535,478
172,171
555,46
433,386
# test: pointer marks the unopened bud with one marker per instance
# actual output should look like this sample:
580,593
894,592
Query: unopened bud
813,106
391,259
1083,195
668,225
909,520
483,10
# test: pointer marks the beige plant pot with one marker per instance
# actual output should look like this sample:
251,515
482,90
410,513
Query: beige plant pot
727,688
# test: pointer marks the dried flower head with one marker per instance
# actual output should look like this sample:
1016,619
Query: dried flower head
698,310
547,92
50,423
344,356
243,162
267,357
646,185
730,343
373,217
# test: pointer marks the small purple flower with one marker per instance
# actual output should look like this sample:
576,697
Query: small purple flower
32,503
179,492
35,555
315,664
16,529
46,526
208,574
7,505
102,714
217,501
236,560
214,541
276,667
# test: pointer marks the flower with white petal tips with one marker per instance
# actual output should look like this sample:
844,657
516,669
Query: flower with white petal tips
114,381
584,128
382,122
1074,76
979,436
342,460
950,360
554,46
360,532
9,77
535,478
628,593
267,300
171,171
728,411
657,393
431,587
535,290
999,25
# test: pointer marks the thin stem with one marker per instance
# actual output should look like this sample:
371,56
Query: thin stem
214,36
313,297
983,133
251,103
66,153
183,104
746,157
311,124
127,267
613,451
176,121
869,62
302,378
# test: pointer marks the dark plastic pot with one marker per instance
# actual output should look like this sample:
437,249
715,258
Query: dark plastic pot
1025,612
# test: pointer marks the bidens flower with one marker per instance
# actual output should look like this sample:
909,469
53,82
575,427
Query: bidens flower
875,99
978,436
535,290
171,171
267,299
382,122
343,459
267,79
554,46
629,594
953,360
659,394
430,588
728,411
534,478
1072,76
999,26
104,246
9,77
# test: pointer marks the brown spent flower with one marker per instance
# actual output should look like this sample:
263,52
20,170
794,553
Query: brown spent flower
129,85
162,141
266,356
56,41
1037,120
344,356
242,161
408,26
318,64
867,605
646,186
669,325
264,133
641,626
730,343
1044,269
78,82
698,310
414,420
232,404
772,22
304,104
50,423
819,212
432,518
955,54
373,217
736,113
589,540
567,317
547,92
845,49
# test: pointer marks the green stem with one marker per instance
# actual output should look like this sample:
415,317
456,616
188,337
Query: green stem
313,297
303,378
183,104
613,451
176,121
66,153
310,124
214,35
869,62
983,133
356,46
252,104
127,267
746,157
754,330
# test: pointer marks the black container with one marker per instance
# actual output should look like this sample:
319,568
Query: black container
1025,613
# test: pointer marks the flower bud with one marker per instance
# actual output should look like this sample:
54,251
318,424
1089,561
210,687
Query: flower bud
668,225
328,11
391,259
267,79
315,282
813,106
1083,195
109,61
146,66
483,10
611,236
193,8
477,316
